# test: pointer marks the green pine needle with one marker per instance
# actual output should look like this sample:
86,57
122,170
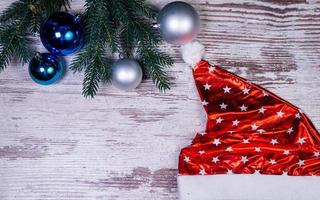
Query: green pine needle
112,26
122,26
17,22
154,63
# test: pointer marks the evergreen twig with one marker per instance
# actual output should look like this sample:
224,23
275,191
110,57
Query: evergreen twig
122,26
17,22
100,31
112,26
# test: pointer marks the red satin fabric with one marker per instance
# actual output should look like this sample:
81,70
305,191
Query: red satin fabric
249,130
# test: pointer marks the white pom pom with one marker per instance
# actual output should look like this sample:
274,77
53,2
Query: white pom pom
192,52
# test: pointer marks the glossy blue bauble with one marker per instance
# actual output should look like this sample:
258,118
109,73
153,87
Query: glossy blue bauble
62,34
46,69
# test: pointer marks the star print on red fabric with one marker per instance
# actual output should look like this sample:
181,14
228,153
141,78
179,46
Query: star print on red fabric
249,130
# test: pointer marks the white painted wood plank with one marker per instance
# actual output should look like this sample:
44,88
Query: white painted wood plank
54,144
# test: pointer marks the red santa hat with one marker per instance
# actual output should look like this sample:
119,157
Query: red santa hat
256,145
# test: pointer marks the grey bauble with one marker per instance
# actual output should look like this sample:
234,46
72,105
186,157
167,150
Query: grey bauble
126,74
178,23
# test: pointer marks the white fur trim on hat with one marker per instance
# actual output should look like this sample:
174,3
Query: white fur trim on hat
248,187
192,52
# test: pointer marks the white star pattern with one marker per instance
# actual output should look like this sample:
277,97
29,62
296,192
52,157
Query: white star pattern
272,161
201,152
229,149
203,133
223,105
207,86
254,127
219,120
284,173
286,152
244,159
245,141
245,91
298,116
204,103
243,108
290,130
301,140
216,142
265,94
262,110
301,163
226,89
235,122
280,114
215,159
211,69
256,172
235,110
274,141
257,149
202,172
229,172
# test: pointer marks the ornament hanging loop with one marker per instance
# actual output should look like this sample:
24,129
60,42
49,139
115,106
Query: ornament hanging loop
155,25
121,55
38,56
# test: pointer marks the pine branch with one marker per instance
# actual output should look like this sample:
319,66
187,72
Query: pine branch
112,26
97,69
16,11
100,31
138,7
14,42
122,26
93,75
154,63
50,6
19,20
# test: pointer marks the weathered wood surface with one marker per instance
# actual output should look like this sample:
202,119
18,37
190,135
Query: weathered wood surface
56,145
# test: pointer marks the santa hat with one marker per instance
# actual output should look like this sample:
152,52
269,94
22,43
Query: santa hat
256,146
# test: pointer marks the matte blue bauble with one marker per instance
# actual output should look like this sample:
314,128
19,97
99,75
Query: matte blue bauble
62,34
46,69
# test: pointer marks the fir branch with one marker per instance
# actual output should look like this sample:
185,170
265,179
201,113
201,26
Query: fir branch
91,81
50,6
139,7
97,69
99,32
14,42
16,11
19,20
154,63
122,26
94,73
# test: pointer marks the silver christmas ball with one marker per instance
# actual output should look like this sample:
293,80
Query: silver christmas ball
178,23
126,74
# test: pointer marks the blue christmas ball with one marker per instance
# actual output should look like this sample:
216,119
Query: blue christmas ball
62,34
46,69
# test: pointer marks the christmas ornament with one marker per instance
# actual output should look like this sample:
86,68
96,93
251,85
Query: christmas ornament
178,22
45,69
62,34
252,134
126,74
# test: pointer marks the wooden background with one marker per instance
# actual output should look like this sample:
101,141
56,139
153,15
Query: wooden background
56,145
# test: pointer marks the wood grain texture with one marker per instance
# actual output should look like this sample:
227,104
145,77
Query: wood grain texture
56,145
